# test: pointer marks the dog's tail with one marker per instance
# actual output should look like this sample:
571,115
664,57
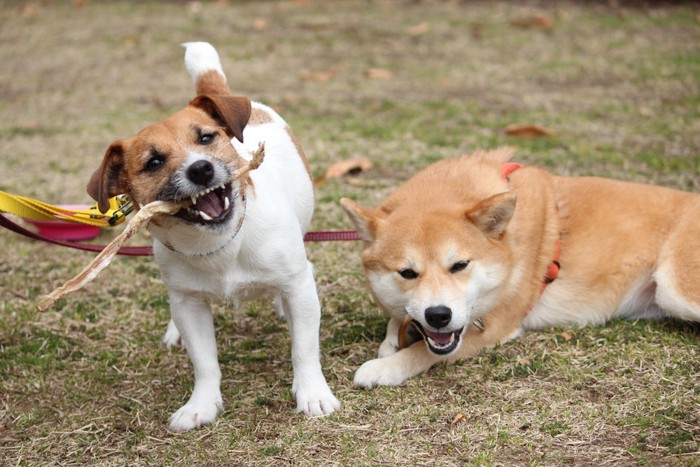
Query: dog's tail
203,64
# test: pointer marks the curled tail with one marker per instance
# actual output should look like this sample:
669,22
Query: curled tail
203,64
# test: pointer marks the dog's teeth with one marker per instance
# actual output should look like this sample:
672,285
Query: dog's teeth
204,215
194,199
222,187
226,203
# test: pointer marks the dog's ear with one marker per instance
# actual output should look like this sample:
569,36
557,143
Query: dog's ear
231,112
107,181
493,214
366,220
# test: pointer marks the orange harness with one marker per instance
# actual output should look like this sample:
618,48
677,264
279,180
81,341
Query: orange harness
507,168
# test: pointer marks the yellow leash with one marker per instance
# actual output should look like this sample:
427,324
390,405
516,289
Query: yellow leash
28,208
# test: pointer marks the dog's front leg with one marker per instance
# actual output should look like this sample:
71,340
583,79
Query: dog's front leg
396,368
195,322
391,342
303,312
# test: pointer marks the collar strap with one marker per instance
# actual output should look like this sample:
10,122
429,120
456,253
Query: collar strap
508,168
554,266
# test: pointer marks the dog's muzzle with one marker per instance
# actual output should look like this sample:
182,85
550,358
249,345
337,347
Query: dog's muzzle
440,343
209,207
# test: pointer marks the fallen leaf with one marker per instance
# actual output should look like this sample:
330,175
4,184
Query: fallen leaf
534,22
419,29
647,111
260,24
460,417
566,336
130,40
524,130
319,76
20,294
356,181
523,361
30,10
351,167
378,73
476,31
194,8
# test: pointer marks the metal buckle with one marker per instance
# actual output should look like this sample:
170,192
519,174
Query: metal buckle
122,209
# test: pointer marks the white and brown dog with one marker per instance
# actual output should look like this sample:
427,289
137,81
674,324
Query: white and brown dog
237,239
452,253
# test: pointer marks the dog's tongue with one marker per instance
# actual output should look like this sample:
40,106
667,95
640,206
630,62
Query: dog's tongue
210,204
440,338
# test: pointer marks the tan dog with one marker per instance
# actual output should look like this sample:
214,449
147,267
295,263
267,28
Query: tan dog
463,251
237,239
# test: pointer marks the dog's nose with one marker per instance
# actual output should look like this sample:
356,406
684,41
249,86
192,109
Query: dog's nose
438,316
200,172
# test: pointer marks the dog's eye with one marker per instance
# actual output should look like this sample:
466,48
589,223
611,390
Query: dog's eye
408,273
156,161
459,266
206,138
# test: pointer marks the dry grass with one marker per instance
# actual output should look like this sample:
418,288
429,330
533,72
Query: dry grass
89,382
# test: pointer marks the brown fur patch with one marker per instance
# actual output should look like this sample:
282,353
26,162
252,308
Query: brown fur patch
212,82
259,117
301,152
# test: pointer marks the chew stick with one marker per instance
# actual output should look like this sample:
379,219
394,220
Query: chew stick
102,260
139,221
253,163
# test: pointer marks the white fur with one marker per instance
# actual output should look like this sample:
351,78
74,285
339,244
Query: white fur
266,256
390,345
201,57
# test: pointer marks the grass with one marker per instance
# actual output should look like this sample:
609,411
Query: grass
89,383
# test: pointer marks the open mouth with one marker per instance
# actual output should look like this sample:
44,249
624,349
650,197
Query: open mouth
211,206
440,343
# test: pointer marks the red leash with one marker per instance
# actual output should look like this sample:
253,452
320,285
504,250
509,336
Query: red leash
325,236
332,236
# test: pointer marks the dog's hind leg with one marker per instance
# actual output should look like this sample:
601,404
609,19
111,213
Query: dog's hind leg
279,307
677,275
172,336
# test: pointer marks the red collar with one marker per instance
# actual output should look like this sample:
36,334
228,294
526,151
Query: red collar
508,168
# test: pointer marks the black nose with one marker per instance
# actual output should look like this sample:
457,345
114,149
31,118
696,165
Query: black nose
438,316
200,172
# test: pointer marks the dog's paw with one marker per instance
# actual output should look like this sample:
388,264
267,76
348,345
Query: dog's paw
379,372
316,400
172,337
387,348
195,414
